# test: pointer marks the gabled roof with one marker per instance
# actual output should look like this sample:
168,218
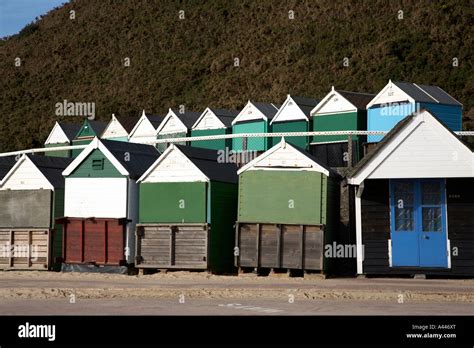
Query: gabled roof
400,133
70,129
97,127
418,93
128,122
355,100
130,159
155,121
204,159
303,103
267,110
50,167
188,117
6,163
358,99
62,132
311,164
225,116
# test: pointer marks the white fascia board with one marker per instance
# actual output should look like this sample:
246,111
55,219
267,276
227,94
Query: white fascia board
56,128
169,115
160,159
95,144
242,113
382,92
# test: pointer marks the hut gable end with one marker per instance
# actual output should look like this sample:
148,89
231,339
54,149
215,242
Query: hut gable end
173,166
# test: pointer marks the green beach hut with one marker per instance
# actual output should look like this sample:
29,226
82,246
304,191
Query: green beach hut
188,206
214,122
294,116
288,210
339,111
89,130
254,118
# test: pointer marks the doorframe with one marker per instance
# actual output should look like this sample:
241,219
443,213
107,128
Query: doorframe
445,221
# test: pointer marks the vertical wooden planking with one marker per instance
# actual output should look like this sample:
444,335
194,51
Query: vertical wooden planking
172,241
106,244
10,251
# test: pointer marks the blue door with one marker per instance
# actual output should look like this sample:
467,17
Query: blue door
418,223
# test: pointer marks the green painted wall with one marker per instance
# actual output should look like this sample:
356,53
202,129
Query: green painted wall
342,121
223,205
220,144
62,153
255,144
293,126
86,131
85,169
163,202
264,196
162,146
76,152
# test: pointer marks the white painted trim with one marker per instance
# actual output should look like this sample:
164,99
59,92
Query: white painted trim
169,115
204,114
389,253
389,148
135,127
160,159
281,109
449,252
109,124
358,214
57,125
315,166
323,102
241,113
17,165
95,144
387,86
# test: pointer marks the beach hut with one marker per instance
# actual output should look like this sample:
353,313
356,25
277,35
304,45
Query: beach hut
188,206
176,124
339,111
214,122
254,118
62,134
414,202
294,116
119,128
101,205
87,132
400,99
31,197
144,131
288,210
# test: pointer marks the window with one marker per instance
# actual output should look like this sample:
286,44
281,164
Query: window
98,164
404,205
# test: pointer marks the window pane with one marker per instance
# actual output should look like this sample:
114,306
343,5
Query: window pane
403,194
432,220
404,219
430,193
